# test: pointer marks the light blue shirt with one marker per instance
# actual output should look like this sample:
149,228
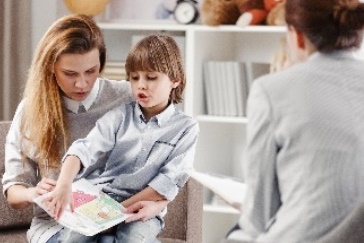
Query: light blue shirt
124,153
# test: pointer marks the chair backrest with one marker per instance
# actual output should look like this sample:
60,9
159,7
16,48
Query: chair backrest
10,218
184,216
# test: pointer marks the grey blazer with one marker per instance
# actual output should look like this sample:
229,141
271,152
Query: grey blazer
305,149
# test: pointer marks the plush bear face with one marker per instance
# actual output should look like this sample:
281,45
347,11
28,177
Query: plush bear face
246,5
217,12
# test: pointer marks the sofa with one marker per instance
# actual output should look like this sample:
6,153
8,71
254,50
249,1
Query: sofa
183,219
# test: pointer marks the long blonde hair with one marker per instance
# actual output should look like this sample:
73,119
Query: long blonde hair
44,125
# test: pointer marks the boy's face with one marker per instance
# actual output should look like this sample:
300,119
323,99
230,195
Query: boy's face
151,90
76,73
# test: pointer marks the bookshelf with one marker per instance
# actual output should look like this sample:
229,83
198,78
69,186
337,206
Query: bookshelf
222,138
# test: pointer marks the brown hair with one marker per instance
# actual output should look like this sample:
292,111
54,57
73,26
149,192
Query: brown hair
328,24
44,121
158,53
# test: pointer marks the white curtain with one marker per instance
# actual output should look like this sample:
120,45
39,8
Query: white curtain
15,53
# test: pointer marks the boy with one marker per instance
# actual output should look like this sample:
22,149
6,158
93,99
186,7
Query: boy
140,151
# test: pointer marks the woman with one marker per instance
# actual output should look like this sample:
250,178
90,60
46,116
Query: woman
305,146
63,98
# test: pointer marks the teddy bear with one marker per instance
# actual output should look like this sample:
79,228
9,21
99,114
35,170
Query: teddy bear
242,12
220,12
276,15
272,13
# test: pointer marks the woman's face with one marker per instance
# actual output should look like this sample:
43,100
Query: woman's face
76,73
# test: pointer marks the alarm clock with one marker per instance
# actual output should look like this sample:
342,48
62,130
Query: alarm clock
186,11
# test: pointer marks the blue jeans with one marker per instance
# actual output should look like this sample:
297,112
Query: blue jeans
134,232
54,238
102,238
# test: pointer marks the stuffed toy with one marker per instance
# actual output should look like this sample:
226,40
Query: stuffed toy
272,13
276,16
220,12
242,12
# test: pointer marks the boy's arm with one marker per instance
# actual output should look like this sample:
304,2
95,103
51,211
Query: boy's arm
62,193
70,167
174,173
147,194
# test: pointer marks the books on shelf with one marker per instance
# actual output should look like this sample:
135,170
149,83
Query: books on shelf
114,70
231,190
94,211
255,70
226,86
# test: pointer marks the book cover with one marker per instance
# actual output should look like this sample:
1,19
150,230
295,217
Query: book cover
208,89
241,87
94,211
230,97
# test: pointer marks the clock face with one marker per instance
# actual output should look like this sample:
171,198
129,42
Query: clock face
185,12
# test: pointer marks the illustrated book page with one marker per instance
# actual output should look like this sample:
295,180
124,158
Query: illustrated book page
94,211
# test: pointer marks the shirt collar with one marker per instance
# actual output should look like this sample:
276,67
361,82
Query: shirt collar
349,54
161,118
73,105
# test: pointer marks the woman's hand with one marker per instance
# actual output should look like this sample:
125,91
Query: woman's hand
144,210
59,199
44,186
21,197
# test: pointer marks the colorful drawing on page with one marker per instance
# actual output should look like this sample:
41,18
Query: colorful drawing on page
80,198
100,209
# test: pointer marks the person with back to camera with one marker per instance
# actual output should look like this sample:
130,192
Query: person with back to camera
146,147
63,75
304,163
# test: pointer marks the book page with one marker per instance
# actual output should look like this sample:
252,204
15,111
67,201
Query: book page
94,211
229,189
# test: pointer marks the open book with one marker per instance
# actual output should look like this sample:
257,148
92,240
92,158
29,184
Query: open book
94,211
229,189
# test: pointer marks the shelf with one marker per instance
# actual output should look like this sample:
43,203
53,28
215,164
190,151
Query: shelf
222,119
172,26
220,209
140,25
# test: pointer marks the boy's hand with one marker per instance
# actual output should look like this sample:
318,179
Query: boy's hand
59,199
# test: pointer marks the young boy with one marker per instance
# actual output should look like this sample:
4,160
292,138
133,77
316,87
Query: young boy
140,151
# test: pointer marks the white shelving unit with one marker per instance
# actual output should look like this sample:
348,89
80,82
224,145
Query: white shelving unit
222,139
